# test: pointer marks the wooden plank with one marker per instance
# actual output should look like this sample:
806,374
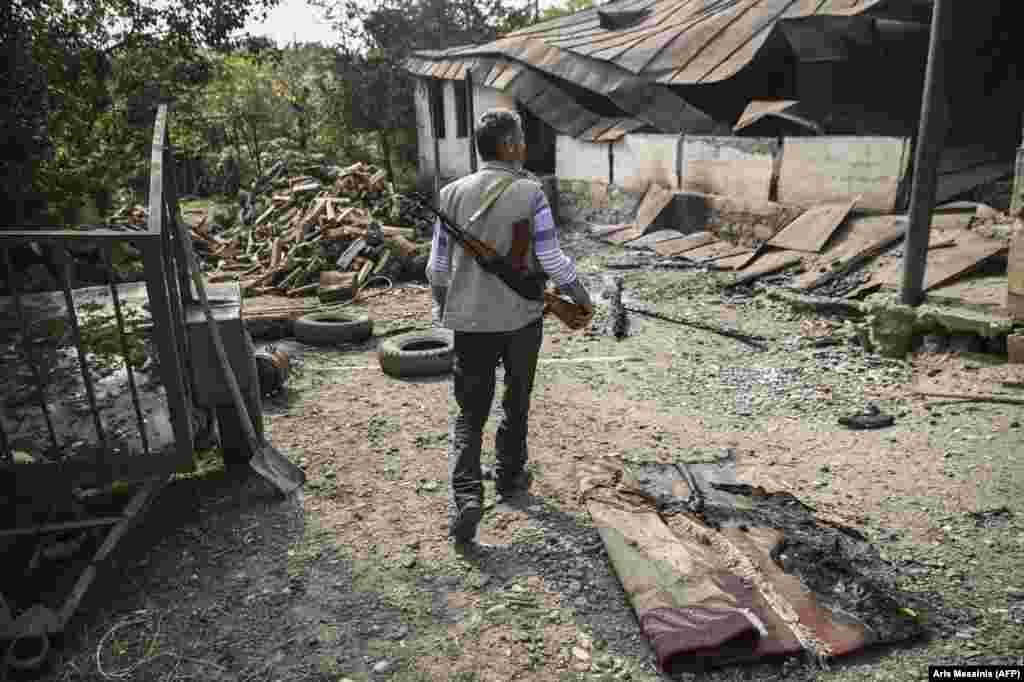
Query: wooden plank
860,240
812,230
654,202
826,169
675,247
769,263
623,236
716,250
132,513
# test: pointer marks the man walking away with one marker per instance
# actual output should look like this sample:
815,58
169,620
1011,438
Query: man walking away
505,206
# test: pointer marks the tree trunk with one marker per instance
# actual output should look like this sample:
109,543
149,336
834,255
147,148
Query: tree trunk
385,145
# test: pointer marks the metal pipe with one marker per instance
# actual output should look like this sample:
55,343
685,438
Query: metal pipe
40,384
930,139
116,298
76,334
471,114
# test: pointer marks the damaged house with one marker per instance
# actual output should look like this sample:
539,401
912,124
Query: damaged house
792,101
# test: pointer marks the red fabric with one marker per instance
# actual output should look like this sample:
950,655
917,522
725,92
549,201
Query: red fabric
683,638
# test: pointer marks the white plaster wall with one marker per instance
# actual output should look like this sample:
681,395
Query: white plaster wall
640,159
485,98
424,136
579,160
738,167
454,151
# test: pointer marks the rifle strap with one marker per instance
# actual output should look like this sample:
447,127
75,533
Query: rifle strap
490,197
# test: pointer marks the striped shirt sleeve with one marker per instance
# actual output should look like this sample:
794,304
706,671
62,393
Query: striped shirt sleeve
439,263
556,264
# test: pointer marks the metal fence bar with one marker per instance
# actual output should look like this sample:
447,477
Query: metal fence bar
167,345
40,384
108,262
76,334
175,256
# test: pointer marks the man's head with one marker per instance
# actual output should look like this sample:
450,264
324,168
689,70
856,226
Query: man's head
499,136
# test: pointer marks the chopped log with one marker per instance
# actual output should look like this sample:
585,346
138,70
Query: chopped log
331,278
276,251
381,262
266,214
364,273
305,290
400,247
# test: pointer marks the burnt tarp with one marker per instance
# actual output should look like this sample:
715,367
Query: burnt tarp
720,571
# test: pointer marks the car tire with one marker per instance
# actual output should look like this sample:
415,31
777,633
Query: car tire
418,354
327,329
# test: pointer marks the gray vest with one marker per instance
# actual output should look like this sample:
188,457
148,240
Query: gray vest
477,300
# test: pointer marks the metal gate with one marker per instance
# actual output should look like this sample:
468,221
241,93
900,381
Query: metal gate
88,328
94,384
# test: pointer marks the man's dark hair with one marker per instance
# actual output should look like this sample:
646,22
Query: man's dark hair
495,127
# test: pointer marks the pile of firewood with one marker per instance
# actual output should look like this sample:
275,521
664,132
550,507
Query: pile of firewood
314,237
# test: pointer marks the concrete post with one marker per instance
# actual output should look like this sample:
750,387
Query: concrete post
931,135
1017,200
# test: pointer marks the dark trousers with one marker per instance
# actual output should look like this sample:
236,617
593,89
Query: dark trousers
476,359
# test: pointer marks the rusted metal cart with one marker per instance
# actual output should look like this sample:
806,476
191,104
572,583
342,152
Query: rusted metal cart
98,391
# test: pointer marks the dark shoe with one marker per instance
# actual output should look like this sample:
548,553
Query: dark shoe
463,527
514,486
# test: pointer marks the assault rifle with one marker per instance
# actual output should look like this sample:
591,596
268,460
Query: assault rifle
530,287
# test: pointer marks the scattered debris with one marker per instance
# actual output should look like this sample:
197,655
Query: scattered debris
992,518
750,339
871,418
973,398
812,230
619,319
273,367
790,572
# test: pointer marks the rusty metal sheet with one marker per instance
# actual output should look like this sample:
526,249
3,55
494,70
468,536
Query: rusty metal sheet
720,249
812,230
826,169
858,238
654,202
601,126
679,42
676,247
623,236
621,128
739,167
506,77
945,265
789,110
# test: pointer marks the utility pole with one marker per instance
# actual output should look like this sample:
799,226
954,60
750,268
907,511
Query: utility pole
931,136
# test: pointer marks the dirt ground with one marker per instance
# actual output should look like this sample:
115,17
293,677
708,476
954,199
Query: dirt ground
354,579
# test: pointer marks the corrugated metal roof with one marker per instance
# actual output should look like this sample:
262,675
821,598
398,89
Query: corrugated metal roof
677,42
658,43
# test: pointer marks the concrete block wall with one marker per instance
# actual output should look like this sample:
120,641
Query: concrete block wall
640,159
